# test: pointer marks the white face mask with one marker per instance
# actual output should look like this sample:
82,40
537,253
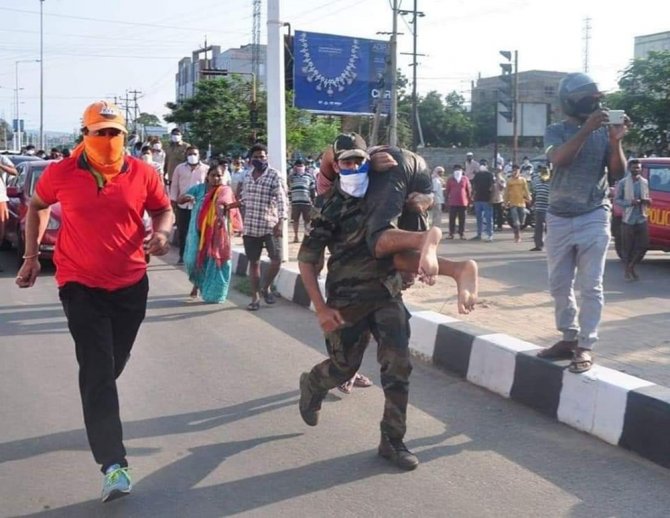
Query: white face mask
458,174
157,147
355,181
147,158
175,138
193,159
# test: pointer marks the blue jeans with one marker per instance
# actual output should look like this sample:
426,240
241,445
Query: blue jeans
576,249
518,215
484,214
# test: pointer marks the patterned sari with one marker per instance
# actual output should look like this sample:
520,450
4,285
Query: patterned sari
207,255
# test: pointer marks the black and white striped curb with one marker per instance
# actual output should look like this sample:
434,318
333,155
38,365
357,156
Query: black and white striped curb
618,408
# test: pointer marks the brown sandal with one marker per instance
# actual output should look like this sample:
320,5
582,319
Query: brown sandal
582,361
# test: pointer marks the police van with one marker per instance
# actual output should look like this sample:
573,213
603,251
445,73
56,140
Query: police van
657,173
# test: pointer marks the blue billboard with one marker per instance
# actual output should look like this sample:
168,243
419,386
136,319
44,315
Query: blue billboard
339,74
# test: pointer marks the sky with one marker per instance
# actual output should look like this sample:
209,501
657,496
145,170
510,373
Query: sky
98,49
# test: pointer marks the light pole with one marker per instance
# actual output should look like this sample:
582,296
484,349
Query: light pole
18,131
41,74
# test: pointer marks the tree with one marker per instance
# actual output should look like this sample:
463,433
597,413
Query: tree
645,95
219,114
147,119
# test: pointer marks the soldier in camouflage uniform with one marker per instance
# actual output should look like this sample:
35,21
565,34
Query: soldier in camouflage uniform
364,300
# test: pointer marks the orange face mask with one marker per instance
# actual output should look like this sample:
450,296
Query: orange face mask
105,154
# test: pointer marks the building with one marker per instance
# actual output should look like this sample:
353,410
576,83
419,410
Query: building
236,61
535,86
651,42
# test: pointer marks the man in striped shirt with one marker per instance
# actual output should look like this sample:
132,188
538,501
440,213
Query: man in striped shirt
302,189
541,204
265,204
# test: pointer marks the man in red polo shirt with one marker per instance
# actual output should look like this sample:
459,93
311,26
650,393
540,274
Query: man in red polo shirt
100,267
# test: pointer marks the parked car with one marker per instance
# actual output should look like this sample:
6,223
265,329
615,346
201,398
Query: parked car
20,189
657,173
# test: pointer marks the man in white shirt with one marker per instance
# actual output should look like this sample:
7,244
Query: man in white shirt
186,175
438,192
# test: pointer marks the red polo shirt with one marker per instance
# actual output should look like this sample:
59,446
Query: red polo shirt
101,235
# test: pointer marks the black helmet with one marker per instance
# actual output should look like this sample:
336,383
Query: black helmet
579,95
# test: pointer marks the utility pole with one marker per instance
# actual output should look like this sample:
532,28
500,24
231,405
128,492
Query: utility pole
41,74
393,116
135,93
587,41
515,120
415,106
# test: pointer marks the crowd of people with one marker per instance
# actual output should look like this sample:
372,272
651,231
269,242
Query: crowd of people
494,197
368,207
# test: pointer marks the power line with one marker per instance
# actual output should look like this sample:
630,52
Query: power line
106,20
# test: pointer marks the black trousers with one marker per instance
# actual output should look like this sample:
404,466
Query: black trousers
454,212
183,220
498,219
104,325
634,242
540,225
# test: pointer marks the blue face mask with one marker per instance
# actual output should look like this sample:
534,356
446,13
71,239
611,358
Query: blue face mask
355,182
259,164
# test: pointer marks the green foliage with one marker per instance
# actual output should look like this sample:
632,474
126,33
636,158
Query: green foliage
148,119
645,95
308,134
219,114
444,122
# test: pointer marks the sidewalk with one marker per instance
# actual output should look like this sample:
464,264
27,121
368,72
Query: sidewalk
514,299
495,347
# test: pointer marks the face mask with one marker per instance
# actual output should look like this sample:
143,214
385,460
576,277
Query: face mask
300,169
30,152
176,139
193,159
586,106
105,154
157,147
483,168
458,175
355,182
259,164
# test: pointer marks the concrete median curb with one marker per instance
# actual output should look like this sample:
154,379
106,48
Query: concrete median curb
618,408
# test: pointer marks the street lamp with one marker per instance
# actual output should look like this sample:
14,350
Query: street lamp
18,121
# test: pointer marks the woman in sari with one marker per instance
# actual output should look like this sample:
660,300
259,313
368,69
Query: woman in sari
207,255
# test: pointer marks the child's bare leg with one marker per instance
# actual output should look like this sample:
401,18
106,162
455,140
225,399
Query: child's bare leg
466,275
428,260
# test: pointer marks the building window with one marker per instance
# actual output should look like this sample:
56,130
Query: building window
550,91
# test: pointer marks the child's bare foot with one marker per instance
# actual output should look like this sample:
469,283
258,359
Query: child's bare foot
428,264
467,282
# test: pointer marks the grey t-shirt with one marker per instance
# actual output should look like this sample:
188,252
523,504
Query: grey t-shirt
580,187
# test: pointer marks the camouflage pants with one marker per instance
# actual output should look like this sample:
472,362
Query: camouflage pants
390,327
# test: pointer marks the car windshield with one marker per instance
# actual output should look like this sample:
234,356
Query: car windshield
659,178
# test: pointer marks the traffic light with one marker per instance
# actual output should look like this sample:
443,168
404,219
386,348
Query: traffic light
506,89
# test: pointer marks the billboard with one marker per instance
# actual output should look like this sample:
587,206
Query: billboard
339,74
532,120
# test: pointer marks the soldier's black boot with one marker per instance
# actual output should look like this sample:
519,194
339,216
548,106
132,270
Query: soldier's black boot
396,451
310,401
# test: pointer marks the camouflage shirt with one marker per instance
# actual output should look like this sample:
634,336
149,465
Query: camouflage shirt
355,277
